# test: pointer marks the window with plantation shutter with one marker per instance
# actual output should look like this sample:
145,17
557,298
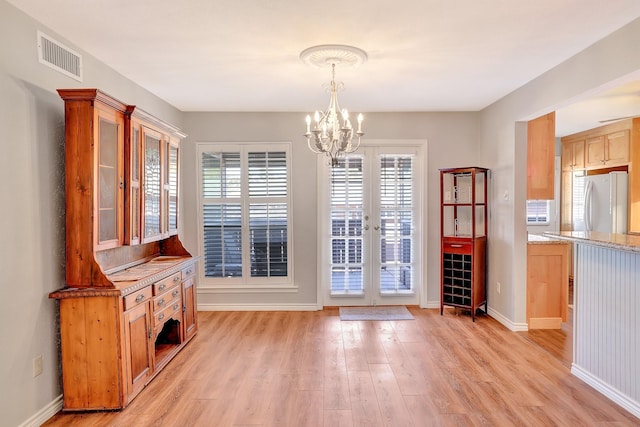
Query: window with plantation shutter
245,213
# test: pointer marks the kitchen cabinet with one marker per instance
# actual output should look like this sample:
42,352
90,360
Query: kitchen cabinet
122,310
572,157
547,282
540,157
606,151
463,225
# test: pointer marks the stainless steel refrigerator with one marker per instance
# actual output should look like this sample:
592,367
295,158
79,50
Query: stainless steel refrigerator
600,202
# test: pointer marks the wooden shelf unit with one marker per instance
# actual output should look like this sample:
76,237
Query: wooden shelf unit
463,225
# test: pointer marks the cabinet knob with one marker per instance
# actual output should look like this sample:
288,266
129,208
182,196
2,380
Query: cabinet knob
139,297
377,227
175,293
161,316
175,279
161,302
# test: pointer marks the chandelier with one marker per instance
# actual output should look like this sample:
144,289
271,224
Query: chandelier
331,132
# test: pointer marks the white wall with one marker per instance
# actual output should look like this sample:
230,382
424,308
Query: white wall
32,212
452,140
608,63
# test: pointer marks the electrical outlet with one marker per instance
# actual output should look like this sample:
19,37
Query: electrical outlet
37,365
498,286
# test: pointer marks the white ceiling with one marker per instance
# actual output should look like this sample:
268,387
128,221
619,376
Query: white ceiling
424,55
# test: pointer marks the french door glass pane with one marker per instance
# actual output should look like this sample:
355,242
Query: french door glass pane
396,224
346,226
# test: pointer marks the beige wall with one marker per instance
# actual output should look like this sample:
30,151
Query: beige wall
452,140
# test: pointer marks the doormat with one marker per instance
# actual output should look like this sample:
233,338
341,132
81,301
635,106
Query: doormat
375,313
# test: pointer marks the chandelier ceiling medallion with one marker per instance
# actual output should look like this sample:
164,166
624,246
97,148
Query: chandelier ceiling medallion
330,132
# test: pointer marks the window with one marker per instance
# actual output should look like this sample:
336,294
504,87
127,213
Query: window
538,212
245,214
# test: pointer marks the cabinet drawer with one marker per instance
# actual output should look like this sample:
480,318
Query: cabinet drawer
172,310
166,299
188,271
137,297
456,248
164,284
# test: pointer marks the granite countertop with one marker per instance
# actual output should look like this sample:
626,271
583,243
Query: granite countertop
623,242
539,239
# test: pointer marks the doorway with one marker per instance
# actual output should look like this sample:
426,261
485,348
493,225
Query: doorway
370,217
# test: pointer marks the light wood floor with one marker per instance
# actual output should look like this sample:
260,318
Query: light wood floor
311,369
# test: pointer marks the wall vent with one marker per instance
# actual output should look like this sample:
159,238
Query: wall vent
59,57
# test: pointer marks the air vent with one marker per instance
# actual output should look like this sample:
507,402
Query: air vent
59,57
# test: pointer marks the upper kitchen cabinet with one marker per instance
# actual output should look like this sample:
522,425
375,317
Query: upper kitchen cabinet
572,155
540,157
608,150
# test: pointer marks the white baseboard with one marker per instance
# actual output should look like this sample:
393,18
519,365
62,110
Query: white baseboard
613,394
432,304
44,414
514,327
258,307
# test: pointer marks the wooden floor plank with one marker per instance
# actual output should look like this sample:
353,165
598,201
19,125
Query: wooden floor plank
304,369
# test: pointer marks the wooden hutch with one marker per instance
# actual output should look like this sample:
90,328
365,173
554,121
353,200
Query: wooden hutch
129,304
463,225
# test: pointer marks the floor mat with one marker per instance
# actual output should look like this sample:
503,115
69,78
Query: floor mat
375,313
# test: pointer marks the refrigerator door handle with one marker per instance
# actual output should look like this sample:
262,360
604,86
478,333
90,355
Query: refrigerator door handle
587,205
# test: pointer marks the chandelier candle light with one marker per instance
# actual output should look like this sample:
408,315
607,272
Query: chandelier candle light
331,132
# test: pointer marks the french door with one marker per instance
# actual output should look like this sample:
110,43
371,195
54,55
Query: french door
371,211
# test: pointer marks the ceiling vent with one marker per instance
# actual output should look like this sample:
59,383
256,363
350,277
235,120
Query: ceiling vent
59,57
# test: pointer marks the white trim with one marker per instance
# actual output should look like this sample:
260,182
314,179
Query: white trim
246,283
245,289
613,394
257,307
514,327
44,414
431,304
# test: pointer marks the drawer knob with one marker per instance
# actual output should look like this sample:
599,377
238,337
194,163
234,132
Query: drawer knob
162,286
175,306
189,271
175,279
161,302
161,316
139,297
175,293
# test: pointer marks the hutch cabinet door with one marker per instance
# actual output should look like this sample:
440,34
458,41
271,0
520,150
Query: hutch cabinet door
110,179
138,350
152,185
132,202
189,307
172,188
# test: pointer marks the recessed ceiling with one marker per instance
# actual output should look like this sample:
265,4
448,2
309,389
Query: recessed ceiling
423,55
